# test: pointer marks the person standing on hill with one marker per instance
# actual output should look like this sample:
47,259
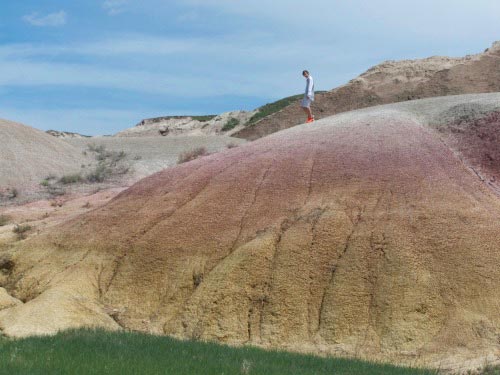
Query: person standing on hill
308,96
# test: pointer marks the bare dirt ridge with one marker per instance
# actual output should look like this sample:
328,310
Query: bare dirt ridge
363,234
189,126
28,155
64,134
394,81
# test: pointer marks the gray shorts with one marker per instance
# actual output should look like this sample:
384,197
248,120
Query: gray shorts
306,102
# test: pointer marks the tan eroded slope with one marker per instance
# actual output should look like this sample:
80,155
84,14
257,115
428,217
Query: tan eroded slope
363,234
28,155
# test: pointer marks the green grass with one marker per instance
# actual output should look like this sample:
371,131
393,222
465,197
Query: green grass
203,118
98,352
491,370
270,108
70,179
230,124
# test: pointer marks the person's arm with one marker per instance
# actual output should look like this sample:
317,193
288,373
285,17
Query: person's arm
310,86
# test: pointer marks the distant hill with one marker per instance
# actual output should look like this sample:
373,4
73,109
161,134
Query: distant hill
393,81
28,155
223,124
64,134
226,123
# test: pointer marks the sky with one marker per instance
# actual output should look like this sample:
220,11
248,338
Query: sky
100,66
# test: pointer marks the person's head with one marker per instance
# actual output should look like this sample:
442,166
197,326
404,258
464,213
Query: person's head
305,73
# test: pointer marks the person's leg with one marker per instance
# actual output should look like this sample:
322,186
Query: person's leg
306,107
309,113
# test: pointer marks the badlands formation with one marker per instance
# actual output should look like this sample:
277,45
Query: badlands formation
394,81
372,233
28,155
189,126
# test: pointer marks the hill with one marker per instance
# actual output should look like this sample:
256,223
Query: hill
365,234
394,81
28,155
223,124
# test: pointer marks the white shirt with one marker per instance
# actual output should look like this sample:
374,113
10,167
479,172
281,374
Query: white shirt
309,88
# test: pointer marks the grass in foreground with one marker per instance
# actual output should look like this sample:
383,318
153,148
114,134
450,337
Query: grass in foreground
99,352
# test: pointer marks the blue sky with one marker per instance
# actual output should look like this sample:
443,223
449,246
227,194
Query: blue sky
99,66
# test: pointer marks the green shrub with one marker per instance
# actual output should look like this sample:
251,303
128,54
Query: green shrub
70,179
109,163
96,148
56,190
115,157
231,124
13,193
192,154
99,174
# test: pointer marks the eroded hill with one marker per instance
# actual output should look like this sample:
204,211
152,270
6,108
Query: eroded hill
28,155
394,81
363,234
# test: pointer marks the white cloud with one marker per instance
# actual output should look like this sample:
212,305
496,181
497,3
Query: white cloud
236,47
22,73
52,19
232,66
114,7
240,64
381,18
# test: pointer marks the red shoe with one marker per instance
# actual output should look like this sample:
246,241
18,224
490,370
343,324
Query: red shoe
310,120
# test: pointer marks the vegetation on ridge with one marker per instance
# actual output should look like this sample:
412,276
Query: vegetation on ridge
270,108
231,124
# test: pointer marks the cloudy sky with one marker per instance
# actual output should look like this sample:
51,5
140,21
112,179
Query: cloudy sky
98,66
